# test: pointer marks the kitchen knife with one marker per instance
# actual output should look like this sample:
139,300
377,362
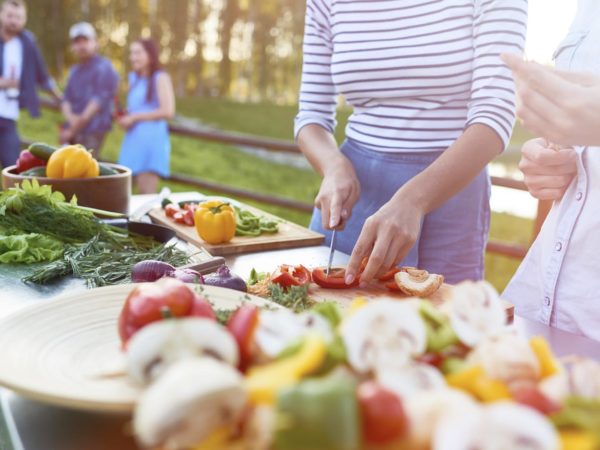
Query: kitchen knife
331,252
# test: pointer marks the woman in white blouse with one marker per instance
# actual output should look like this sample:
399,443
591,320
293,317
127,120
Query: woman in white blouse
432,105
558,283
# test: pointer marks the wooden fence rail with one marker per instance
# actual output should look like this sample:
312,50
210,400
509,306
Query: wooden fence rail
277,145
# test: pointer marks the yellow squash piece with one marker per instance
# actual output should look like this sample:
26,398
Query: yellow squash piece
475,381
578,440
549,365
357,303
73,161
215,222
263,382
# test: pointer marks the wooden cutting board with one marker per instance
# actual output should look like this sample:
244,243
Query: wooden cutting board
290,235
345,296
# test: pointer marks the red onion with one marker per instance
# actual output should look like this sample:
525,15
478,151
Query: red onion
224,278
187,276
150,270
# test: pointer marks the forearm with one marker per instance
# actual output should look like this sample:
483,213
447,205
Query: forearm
321,149
86,116
453,170
156,114
6,83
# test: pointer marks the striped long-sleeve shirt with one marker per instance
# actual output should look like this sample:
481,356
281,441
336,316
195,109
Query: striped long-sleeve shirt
416,72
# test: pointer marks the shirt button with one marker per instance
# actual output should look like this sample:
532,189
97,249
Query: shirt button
579,196
547,301
558,247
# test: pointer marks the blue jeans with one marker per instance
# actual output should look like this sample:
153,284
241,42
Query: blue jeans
453,237
10,143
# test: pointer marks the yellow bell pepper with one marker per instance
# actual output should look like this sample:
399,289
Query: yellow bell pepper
357,303
73,161
475,381
578,440
263,382
215,222
549,365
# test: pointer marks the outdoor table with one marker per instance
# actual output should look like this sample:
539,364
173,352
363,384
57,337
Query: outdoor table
44,427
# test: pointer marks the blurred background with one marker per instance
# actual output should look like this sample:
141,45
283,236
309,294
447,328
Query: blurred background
236,66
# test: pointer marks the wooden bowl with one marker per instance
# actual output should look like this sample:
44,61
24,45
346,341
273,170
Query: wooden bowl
107,192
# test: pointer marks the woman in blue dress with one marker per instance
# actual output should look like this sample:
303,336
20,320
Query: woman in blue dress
146,149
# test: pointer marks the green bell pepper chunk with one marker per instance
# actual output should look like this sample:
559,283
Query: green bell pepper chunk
320,413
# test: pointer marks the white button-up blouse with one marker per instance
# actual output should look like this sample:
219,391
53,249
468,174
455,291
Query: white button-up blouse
558,283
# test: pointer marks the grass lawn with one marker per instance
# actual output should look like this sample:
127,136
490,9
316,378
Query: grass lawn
227,165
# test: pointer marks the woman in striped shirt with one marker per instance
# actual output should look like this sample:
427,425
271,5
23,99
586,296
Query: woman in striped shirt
433,104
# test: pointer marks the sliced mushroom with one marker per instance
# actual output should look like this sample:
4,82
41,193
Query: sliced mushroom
259,428
161,344
191,400
383,333
418,283
411,379
475,311
509,358
426,409
581,378
498,426
281,328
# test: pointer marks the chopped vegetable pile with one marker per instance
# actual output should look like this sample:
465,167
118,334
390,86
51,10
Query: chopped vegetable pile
39,225
385,374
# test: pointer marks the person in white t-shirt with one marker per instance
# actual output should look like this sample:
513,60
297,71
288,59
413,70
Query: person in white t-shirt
22,68
558,282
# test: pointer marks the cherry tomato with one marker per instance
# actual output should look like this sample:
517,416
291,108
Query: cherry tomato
335,280
188,217
150,302
171,210
383,417
178,217
392,286
534,398
389,275
242,324
190,207
433,359
201,308
287,276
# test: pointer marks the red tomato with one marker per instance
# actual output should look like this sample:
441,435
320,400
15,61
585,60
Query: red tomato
27,161
188,217
242,324
190,207
287,276
535,399
201,308
178,217
389,275
383,417
433,359
392,286
171,210
149,302
335,280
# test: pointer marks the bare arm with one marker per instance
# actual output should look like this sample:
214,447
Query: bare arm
166,102
6,83
80,121
388,235
340,188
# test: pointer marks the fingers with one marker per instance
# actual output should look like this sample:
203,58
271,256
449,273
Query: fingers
545,161
548,194
548,181
322,203
362,249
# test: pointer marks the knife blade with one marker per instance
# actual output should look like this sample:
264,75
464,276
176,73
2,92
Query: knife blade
149,204
331,252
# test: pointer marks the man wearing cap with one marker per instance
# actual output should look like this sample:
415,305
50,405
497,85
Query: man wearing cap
22,69
91,88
